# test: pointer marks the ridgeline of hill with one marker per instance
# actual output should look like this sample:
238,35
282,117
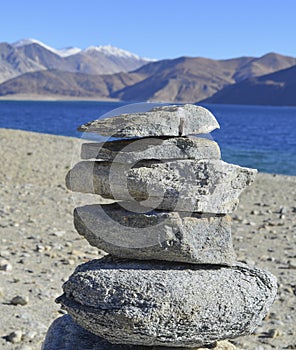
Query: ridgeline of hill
278,89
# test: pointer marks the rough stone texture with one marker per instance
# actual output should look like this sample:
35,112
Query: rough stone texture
160,121
172,236
65,334
209,186
167,304
131,151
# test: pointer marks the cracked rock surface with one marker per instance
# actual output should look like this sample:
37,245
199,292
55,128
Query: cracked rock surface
131,151
162,235
159,121
65,334
209,186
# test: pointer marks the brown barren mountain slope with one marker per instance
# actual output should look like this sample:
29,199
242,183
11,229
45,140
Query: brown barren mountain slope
266,64
67,84
278,88
192,79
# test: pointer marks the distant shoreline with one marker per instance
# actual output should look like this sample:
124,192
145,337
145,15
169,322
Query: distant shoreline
36,97
61,98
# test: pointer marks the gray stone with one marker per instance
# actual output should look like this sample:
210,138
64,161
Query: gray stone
15,337
167,304
65,334
159,121
19,300
172,236
209,186
131,151
5,265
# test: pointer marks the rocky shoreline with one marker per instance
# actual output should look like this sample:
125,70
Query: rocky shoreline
39,246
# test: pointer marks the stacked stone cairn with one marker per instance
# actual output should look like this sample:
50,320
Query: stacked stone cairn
171,278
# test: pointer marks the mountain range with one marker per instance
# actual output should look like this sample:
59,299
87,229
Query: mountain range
31,67
30,55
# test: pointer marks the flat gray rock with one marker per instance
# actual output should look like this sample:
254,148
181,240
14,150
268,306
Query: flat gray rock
171,236
159,121
209,186
65,334
167,304
134,150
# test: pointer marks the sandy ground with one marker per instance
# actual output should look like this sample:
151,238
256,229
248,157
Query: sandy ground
40,248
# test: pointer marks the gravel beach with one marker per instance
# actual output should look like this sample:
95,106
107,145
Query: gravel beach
40,248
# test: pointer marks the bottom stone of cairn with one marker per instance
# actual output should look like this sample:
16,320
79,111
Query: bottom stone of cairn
167,304
65,334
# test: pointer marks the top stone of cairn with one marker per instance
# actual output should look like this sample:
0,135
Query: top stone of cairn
159,121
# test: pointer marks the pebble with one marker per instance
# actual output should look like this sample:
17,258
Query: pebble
274,333
292,264
4,224
5,265
39,248
30,335
15,337
283,210
254,212
289,290
4,253
68,261
19,300
59,233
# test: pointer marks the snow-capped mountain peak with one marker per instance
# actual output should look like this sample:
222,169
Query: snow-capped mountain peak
109,50
63,52
25,42
106,50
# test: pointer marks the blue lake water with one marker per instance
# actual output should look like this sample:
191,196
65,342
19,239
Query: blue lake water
253,136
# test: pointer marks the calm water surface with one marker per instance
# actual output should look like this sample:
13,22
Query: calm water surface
253,136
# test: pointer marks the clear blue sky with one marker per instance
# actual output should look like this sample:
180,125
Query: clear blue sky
156,28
